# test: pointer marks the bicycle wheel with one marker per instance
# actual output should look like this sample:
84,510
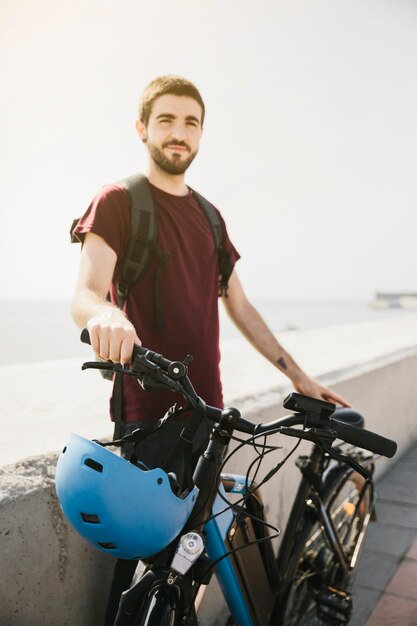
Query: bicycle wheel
160,608
318,592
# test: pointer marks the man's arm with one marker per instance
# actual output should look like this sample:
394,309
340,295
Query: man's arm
112,335
253,327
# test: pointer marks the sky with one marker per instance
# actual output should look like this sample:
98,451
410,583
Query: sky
309,147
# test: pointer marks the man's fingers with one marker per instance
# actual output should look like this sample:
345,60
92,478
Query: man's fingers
126,346
104,338
99,338
116,338
331,396
94,339
112,341
314,389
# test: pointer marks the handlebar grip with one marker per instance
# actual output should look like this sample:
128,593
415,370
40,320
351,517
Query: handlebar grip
156,358
364,438
85,337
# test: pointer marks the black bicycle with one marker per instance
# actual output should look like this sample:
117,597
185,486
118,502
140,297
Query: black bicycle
321,547
310,580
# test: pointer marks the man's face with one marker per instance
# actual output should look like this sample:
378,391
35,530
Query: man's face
173,132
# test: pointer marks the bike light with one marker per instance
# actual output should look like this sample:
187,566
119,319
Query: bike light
189,548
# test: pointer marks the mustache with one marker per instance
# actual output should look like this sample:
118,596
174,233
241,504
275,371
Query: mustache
181,144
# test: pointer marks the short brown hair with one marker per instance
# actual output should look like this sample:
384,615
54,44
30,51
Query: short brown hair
163,85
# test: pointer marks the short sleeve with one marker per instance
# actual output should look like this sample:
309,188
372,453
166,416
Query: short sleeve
109,217
228,245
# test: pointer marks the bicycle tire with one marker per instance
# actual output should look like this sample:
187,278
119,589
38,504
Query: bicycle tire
160,608
312,566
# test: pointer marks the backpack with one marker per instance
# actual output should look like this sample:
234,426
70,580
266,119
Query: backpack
143,242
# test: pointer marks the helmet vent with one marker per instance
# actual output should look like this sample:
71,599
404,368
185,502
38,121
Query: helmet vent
64,450
107,546
90,518
94,465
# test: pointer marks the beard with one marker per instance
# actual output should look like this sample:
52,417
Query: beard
175,165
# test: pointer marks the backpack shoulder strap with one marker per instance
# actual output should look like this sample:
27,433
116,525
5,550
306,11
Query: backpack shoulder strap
73,238
212,218
225,261
143,234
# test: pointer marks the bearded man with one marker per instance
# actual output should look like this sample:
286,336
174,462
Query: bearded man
170,125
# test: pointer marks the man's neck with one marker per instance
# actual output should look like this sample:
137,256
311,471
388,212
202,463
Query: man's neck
167,182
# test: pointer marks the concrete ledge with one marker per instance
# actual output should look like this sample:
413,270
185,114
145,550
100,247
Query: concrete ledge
54,577
49,577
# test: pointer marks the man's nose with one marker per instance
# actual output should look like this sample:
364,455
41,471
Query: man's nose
179,132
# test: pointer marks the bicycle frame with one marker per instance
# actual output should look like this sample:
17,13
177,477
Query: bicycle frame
217,530
243,578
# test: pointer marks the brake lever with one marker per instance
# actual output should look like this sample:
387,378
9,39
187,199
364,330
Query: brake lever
142,369
337,456
98,365
325,438
108,366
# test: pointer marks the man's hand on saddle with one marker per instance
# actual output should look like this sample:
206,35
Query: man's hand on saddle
112,337
310,387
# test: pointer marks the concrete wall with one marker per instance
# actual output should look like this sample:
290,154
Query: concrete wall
51,577
48,576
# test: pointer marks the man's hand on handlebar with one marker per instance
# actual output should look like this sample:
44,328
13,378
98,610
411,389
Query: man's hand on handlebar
309,387
173,375
112,337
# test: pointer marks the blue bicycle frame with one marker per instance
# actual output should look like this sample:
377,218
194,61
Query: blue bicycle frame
219,532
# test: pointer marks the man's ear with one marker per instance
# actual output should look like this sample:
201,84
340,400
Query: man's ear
141,130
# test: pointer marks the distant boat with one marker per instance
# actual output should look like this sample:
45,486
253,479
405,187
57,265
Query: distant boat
398,300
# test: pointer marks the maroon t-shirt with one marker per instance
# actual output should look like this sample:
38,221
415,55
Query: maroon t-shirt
190,286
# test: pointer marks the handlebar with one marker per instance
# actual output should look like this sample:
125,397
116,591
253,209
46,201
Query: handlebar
173,374
154,357
347,432
363,438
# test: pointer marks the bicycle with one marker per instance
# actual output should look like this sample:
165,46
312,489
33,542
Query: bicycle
309,581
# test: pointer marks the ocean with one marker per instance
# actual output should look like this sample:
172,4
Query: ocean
42,331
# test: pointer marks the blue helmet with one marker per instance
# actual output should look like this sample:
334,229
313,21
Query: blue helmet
120,508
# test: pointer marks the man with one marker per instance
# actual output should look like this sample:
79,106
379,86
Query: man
170,124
